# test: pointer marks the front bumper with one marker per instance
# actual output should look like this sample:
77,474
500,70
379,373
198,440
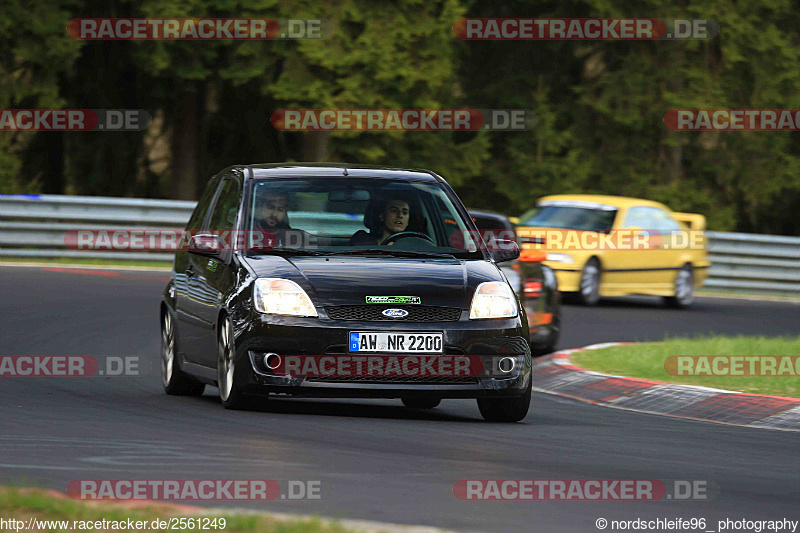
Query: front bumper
569,280
489,340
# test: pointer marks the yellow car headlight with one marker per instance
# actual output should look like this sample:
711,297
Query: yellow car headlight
560,258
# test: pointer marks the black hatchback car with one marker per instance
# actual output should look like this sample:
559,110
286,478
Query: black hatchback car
337,280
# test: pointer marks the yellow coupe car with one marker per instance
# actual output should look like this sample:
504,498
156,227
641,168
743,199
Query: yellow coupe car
614,246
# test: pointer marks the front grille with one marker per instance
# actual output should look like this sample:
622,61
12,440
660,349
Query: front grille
416,313
409,380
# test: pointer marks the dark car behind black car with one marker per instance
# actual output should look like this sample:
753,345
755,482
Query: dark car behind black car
534,282
338,280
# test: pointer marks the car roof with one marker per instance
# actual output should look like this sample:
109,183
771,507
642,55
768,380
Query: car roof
614,201
334,170
486,214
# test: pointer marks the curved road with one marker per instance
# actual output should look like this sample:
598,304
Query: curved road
375,460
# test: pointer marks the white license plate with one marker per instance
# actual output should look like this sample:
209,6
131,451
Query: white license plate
384,342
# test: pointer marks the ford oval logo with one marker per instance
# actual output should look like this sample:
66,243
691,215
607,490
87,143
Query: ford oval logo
395,313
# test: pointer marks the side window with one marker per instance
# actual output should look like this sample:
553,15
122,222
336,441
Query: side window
199,214
223,216
664,222
456,233
639,217
486,223
650,218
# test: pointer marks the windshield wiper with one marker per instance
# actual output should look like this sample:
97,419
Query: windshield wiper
393,253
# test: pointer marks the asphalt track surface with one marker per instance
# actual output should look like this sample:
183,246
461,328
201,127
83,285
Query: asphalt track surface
375,460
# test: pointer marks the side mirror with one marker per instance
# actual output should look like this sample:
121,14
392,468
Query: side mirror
206,244
503,250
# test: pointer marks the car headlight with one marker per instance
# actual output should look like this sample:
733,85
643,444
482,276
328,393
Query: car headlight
560,258
276,296
493,299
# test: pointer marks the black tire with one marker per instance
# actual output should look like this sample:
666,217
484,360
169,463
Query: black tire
552,340
421,403
589,289
230,394
175,381
683,288
506,409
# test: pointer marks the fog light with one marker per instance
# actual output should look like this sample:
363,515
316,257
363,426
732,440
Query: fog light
506,364
272,361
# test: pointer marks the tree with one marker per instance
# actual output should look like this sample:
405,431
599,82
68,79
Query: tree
35,51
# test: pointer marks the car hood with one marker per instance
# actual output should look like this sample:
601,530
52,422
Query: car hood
349,280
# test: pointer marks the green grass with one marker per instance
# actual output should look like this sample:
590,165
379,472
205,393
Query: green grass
647,361
86,261
23,504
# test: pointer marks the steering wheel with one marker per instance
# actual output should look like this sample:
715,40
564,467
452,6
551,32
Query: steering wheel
405,234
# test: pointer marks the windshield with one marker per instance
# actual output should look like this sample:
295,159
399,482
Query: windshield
578,218
357,215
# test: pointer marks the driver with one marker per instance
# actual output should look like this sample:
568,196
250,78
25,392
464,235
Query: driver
394,219
271,211
271,218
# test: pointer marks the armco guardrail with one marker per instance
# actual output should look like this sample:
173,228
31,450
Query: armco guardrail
754,263
34,226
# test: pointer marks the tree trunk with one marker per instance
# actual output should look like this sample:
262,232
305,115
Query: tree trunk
315,145
53,182
184,147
